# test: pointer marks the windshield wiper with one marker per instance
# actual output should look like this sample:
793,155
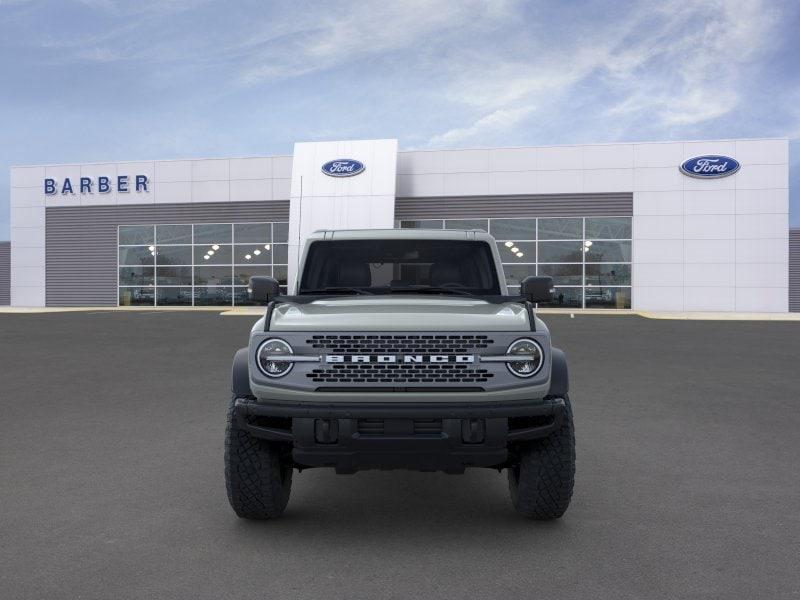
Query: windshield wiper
432,289
337,290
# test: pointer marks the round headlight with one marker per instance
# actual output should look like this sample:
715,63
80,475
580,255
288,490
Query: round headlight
533,358
272,367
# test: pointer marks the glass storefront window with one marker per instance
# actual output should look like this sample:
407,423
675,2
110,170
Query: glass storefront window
561,228
423,224
212,233
174,255
280,232
482,224
252,233
213,275
589,258
135,235
174,296
212,254
563,274
173,234
281,274
608,228
513,229
136,276
280,254
213,296
255,254
136,296
517,252
516,273
243,273
565,252
607,297
186,264
566,297
137,255
173,276
608,274
241,297
617,251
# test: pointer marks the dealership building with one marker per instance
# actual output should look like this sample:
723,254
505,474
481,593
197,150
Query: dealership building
672,226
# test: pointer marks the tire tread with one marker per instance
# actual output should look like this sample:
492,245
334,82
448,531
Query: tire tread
541,485
257,482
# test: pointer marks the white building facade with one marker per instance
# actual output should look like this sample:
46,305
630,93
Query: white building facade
616,225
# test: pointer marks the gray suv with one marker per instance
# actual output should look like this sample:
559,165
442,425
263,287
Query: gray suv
400,349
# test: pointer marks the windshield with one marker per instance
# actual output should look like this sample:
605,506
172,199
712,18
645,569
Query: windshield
400,266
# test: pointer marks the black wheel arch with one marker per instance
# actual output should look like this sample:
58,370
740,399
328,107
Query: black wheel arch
240,374
559,376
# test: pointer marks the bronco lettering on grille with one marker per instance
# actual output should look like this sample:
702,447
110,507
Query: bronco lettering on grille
400,358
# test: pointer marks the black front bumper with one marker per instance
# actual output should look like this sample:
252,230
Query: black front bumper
419,436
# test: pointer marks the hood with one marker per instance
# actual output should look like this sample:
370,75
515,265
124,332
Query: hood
400,314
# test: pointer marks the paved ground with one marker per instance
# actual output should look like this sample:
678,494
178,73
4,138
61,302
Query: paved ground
111,441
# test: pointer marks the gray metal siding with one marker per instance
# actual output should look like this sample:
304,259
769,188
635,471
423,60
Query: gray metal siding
5,273
545,205
794,270
82,241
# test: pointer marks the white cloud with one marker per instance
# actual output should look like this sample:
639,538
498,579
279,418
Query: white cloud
499,120
303,41
674,64
699,70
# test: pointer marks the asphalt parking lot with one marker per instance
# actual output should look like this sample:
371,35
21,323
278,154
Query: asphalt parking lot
111,444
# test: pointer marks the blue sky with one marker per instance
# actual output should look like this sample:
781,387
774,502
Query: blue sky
105,80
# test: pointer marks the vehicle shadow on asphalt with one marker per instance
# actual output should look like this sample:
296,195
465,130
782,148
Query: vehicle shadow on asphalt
400,504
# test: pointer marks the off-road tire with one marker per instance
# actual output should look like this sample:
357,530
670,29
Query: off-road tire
541,482
257,479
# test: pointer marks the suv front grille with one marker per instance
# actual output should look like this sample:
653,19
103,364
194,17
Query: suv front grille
399,373
394,373
399,344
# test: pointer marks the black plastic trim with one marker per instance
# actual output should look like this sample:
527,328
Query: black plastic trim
559,374
240,374
268,314
400,410
531,314
390,389
307,298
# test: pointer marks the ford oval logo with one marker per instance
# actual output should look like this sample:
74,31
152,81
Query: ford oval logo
710,166
343,167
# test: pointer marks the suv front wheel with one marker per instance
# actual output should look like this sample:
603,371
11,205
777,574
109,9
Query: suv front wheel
257,478
541,481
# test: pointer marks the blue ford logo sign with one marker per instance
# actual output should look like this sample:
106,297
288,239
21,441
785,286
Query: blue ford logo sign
710,166
343,167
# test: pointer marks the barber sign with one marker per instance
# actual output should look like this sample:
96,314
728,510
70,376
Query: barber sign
343,167
710,166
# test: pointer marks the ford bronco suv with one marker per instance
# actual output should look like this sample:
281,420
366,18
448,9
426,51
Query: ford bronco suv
400,349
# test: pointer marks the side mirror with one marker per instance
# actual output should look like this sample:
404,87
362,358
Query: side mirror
537,289
263,289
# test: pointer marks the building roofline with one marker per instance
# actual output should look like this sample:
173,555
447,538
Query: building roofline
621,143
403,151
145,160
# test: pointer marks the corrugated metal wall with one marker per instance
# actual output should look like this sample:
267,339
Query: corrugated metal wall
552,205
5,273
794,270
82,241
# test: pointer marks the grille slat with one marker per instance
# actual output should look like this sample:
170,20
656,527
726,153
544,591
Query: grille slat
401,344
